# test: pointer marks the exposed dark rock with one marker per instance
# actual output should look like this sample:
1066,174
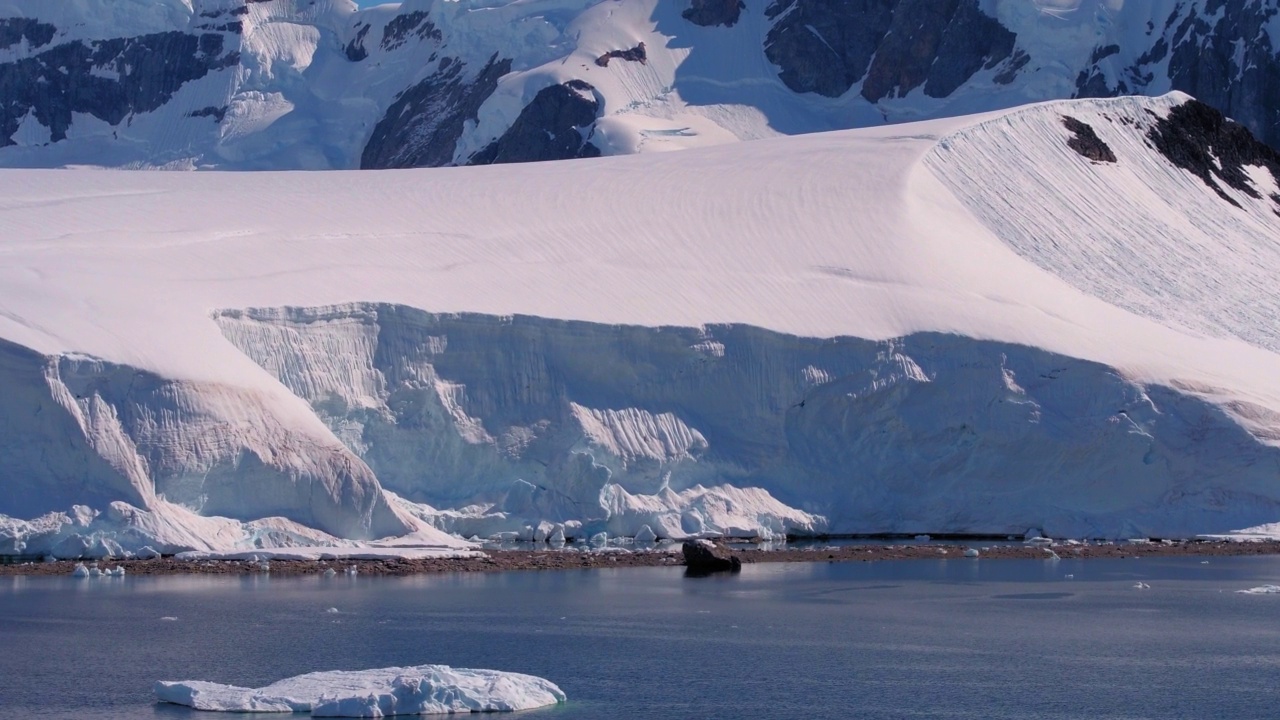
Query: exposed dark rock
217,113
826,47
401,27
1099,53
355,49
235,27
1092,82
422,127
972,41
709,13
635,54
896,45
77,77
1086,141
15,30
1200,140
703,557
1220,52
1010,72
556,125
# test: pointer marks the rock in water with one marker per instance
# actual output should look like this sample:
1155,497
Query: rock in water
704,556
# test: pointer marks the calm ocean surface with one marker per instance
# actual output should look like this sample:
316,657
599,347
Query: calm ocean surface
945,639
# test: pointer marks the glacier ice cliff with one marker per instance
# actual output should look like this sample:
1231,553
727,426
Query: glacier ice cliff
554,420
83,431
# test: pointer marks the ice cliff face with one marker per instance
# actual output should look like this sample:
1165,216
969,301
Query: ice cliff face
929,433
130,436
284,84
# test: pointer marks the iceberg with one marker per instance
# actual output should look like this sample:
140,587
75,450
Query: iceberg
418,690
1262,590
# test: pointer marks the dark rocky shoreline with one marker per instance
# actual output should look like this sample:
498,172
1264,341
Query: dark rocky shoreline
669,556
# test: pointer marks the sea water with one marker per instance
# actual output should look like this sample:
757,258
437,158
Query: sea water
916,639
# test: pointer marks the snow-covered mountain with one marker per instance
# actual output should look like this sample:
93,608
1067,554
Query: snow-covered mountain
1057,318
320,84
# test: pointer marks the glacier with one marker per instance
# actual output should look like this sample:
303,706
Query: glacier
385,692
324,84
850,332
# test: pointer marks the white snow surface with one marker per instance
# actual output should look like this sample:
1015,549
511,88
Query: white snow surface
386,692
249,346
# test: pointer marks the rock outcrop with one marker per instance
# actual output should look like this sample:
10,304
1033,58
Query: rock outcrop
1202,141
710,13
891,47
556,125
423,125
108,79
1225,54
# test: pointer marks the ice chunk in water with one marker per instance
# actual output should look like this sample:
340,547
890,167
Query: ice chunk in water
420,690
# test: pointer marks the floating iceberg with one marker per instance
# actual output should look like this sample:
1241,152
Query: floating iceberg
1262,590
420,690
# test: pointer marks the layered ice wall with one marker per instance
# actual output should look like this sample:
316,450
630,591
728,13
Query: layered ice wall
928,433
85,431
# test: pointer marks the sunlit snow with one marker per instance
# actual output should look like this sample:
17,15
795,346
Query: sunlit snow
420,690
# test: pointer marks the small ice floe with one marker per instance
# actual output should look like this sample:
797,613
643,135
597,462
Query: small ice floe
1141,586
352,571
330,572
80,571
1052,555
169,618
971,553
1262,590
1069,577
332,611
923,538
600,539
421,690
117,571
1204,562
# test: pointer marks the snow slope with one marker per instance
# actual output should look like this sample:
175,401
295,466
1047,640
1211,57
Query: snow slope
845,332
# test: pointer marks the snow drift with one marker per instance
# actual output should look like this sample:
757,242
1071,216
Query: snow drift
420,690
849,332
